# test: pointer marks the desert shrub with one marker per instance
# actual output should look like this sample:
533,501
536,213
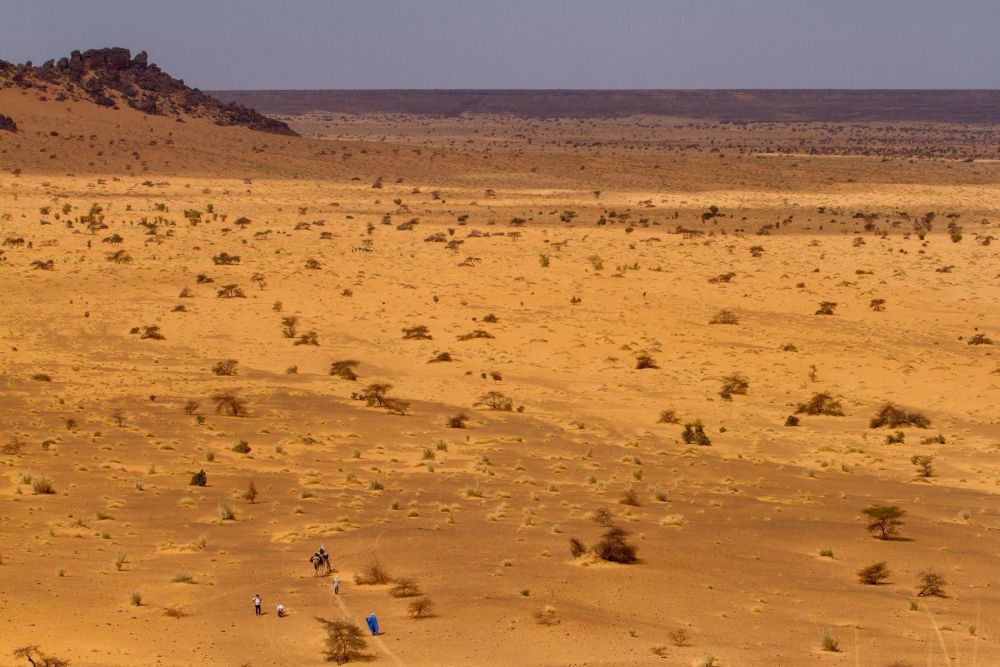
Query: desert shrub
613,546
694,433
395,406
41,377
344,369
190,407
629,497
478,333
789,347
980,339
373,574
724,317
226,512
308,338
679,636
344,639
873,575
241,447
225,367
602,516
404,588
229,403
830,643
231,291
645,361
546,616
183,578
12,447
733,384
893,416
924,464
420,608
419,332
576,547
878,305
722,278
495,400
288,326
933,440
173,611
668,417
200,478
931,585
596,262
42,485
135,597
118,257
152,332
458,421
826,308
37,658
224,259
897,438
440,357
883,520
791,420
821,404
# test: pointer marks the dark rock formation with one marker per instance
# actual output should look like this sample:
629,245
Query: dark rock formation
7,123
111,76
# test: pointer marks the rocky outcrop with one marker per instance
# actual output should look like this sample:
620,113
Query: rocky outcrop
7,123
111,76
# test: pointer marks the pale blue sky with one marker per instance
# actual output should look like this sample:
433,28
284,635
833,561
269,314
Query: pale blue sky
218,44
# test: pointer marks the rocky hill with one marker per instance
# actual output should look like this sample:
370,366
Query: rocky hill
110,77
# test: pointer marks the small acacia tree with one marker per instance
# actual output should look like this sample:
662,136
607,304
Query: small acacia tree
873,575
37,658
495,400
931,584
884,520
343,640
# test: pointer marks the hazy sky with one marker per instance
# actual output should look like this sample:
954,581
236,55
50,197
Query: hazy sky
218,44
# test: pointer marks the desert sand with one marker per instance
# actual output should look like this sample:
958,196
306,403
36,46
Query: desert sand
573,248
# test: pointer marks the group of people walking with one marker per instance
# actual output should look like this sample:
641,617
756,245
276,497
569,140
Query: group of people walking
321,556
